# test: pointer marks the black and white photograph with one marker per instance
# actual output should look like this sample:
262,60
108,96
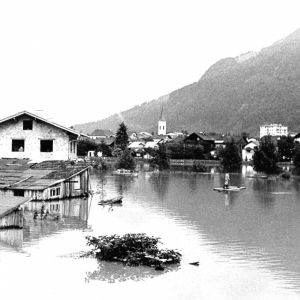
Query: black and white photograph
150,150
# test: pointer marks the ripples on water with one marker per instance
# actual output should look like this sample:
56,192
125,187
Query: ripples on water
247,242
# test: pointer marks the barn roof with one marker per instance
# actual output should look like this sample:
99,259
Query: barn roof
21,174
9,204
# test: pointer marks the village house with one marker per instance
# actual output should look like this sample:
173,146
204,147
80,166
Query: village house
25,135
22,181
101,134
273,130
203,139
248,150
43,181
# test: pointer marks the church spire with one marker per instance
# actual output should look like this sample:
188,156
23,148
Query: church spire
162,117
162,124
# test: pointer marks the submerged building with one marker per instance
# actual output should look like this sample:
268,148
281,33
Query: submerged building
44,181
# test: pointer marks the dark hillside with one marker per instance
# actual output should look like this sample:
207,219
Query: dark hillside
234,95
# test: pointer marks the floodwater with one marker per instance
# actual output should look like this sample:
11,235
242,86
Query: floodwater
247,242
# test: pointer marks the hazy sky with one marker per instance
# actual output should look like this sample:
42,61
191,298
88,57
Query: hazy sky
80,61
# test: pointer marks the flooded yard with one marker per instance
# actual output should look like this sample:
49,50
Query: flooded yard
246,242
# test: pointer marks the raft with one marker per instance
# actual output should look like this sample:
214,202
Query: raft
230,188
116,200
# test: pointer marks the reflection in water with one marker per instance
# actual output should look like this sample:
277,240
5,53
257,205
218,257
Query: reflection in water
73,215
118,272
160,184
11,239
244,240
229,198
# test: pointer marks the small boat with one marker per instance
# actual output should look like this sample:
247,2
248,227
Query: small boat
258,176
125,172
230,188
116,200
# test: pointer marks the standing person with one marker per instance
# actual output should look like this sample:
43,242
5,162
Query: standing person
226,181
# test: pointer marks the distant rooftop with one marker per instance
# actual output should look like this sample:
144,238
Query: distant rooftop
102,132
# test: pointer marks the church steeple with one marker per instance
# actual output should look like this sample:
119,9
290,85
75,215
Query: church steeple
162,124
162,117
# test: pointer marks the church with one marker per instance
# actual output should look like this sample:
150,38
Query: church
162,124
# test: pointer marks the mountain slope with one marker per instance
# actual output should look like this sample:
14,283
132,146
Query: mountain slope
234,95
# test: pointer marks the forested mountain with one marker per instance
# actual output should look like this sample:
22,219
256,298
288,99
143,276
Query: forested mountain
234,95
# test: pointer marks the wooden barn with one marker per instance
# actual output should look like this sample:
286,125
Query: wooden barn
11,211
44,181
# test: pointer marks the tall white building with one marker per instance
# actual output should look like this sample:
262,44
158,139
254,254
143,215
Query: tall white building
273,130
162,124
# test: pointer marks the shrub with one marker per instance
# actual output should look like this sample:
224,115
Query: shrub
133,250
230,156
265,157
125,161
198,167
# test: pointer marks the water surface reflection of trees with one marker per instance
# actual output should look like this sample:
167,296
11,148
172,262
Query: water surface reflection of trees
117,272
160,184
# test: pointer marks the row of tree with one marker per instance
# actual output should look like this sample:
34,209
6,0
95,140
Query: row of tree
266,156
265,159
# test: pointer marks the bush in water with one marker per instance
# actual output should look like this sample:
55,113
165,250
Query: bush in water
133,250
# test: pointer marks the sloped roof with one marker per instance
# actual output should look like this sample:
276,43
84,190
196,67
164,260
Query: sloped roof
38,176
202,136
162,117
151,144
102,132
160,136
9,204
178,139
44,120
137,144
107,141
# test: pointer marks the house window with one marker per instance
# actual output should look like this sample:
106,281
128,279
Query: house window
46,145
19,193
55,192
77,185
72,147
18,146
27,125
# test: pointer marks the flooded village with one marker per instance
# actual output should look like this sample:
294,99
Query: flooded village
54,203
149,151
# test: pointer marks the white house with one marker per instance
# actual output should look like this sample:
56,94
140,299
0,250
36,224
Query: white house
101,133
273,130
25,135
248,150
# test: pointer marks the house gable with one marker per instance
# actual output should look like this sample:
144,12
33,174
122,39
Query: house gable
25,135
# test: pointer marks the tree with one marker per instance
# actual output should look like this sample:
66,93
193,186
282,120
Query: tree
85,145
285,148
265,157
102,147
296,156
125,161
185,151
160,157
230,156
122,136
